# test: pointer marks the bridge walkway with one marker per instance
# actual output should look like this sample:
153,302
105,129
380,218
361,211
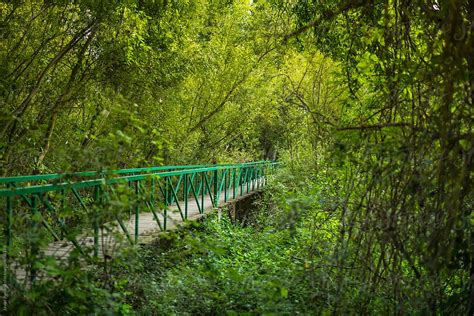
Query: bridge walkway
148,228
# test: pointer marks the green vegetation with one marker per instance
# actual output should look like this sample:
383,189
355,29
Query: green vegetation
369,105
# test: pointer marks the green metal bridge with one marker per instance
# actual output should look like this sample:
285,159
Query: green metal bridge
90,213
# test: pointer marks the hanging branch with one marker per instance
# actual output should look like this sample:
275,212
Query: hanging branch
326,16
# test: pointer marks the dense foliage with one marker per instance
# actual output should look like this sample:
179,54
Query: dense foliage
407,211
82,81
369,104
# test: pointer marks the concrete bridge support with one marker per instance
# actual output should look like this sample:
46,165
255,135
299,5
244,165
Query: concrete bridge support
241,208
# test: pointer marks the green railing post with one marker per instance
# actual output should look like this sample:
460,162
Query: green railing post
170,191
152,201
185,185
96,220
152,196
137,209
130,207
258,178
203,186
246,178
233,183
34,245
216,188
264,174
8,227
9,242
61,211
165,211
225,186
249,179
7,248
253,178
241,181
267,171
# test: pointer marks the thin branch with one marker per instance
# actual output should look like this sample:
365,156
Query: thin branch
377,126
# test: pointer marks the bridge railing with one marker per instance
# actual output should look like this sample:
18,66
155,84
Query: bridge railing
66,206
28,180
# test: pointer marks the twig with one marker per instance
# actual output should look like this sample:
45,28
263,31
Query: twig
377,126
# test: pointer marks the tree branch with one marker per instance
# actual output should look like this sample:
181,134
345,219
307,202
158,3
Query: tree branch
377,126
325,16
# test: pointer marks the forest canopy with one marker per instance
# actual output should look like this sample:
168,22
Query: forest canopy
368,104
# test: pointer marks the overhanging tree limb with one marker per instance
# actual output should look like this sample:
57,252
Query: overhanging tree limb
377,126
327,15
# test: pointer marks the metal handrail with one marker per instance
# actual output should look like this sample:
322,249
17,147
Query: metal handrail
105,172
